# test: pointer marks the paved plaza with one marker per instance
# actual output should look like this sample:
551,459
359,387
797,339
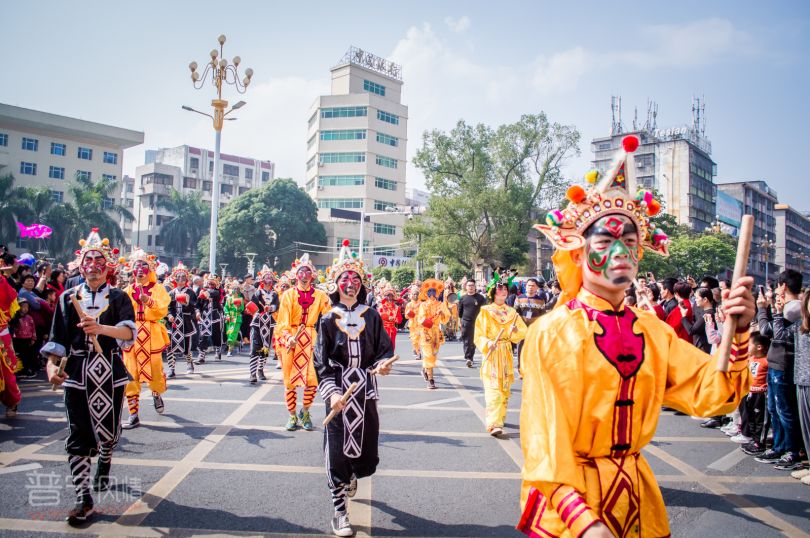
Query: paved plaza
220,462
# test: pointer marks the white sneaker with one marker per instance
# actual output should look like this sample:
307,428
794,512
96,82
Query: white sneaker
798,475
496,431
731,432
806,480
741,439
341,525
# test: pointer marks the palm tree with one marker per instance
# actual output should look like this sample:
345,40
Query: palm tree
189,223
94,204
36,206
11,208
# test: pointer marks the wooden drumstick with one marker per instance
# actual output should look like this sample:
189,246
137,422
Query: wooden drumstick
81,313
345,398
740,265
385,364
60,372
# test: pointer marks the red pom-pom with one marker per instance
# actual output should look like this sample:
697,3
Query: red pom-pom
653,208
630,143
346,243
94,230
115,251
575,193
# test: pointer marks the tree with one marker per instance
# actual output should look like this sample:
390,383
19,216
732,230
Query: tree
403,276
692,254
191,219
484,186
95,207
280,210
381,272
11,207
37,205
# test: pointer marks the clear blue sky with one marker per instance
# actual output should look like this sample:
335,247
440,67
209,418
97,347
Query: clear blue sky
126,64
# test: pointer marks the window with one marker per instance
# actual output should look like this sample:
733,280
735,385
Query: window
58,149
29,169
341,203
312,119
349,157
194,164
158,179
265,176
107,202
385,229
30,144
373,87
354,244
58,196
243,190
56,172
390,118
148,240
207,186
344,112
387,139
211,167
383,251
311,142
130,203
110,157
3,139
344,134
230,170
340,181
130,187
386,161
190,182
386,184
158,240
248,173
85,153
310,184
83,175
379,205
226,189
109,177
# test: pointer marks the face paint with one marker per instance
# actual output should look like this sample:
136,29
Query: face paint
267,279
93,263
140,270
349,283
431,293
613,246
304,275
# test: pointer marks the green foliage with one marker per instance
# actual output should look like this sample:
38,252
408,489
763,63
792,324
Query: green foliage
247,224
191,220
381,272
403,276
692,254
484,185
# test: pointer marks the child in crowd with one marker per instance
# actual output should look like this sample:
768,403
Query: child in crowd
753,407
23,337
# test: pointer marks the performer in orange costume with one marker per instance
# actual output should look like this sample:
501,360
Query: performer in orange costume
390,313
596,373
411,309
431,314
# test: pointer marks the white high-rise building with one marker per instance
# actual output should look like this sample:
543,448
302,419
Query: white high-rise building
356,155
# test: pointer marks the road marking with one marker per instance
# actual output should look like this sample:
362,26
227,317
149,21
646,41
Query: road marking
20,468
436,402
728,461
360,508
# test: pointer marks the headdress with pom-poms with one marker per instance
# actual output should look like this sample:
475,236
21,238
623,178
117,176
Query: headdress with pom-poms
95,242
607,195
178,270
264,271
431,283
303,261
346,261
139,255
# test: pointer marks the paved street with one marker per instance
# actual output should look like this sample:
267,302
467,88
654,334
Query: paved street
219,462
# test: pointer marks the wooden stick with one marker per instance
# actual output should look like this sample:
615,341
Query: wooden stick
385,364
295,338
740,265
344,399
81,313
62,364
495,346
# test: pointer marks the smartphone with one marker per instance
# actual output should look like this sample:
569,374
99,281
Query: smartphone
762,290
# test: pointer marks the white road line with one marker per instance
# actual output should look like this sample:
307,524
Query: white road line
20,468
728,461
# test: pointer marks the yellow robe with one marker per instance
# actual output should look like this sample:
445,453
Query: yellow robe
144,359
413,327
296,363
497,371
431,338
590,405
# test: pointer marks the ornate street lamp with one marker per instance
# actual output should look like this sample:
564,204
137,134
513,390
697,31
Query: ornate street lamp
220,72
250,256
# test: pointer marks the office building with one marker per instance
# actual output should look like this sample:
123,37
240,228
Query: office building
792,240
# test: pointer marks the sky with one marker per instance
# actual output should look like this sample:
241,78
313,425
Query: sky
126,64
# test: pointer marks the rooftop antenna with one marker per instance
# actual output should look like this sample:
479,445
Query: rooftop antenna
652,114
635,118
698,115
616,115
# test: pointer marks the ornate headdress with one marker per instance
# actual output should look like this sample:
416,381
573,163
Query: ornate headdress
303,261
265,270
609,195
178,270
139,255
431,284
346,261
95,242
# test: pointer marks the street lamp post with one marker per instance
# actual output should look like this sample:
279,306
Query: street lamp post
250,256
767,244
220,72
223,266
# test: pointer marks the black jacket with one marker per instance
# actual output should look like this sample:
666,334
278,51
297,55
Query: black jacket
469,306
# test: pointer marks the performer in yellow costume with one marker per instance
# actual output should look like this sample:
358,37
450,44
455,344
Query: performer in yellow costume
431,315
144,360
497,327
301,307
596,373
411,309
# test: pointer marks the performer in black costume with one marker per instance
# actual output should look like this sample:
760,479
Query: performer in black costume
94,381
210,314
182,319
351,343
261,326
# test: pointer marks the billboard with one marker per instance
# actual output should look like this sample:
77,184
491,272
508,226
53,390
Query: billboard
391,262
729,209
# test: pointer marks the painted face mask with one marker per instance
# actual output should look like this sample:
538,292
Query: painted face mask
612,250
140,270
349,283
304,275
93,262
